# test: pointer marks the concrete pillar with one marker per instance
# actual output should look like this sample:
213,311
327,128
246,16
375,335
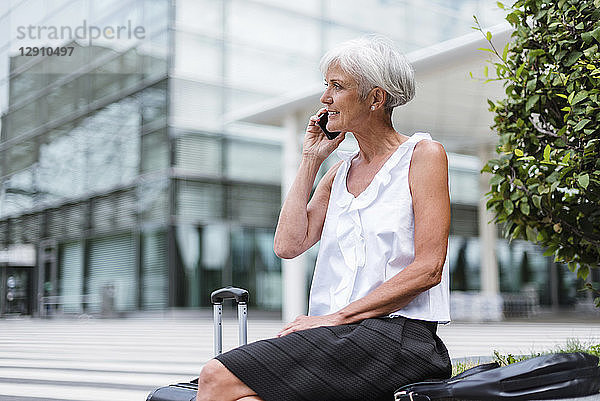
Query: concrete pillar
293,271
490,284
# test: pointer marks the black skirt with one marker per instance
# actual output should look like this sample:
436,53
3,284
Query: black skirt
363,361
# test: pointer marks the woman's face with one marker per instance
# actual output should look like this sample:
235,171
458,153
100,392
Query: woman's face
341,98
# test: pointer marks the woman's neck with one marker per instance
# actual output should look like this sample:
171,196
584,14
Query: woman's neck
376,143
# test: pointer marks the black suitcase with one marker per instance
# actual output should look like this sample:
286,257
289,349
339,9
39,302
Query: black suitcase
187,391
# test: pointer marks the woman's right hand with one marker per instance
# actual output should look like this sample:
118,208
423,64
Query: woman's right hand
316,144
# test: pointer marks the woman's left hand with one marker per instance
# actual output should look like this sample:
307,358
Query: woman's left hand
304,322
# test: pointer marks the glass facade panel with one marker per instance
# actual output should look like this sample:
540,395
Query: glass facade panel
112,145
100,9
464,186
32,228
203,265
119,26
254,204
243,99
70,15
198,201
75,219
155,151
92,162
309,7
71,276
255,266
195,105
335,34
265,27
154,53
66,99
270,72
4,29
3,99
199,153
28,82
154,103
522,266
23,120
18,65
202,16
215,246
106,79
130,68
101,152
3,233
15,235
56,5
464,261
62,165
25,13
390,16
114,212
112,270
57,68
242,260
20,156
153,200
268,272
569,287
198,55
411,24
18,193
56,223
103,214
188,281
126,209
156,16
427,37
253,161
155,274
214,254
464,220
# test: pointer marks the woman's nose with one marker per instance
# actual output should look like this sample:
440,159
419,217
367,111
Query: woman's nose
325,98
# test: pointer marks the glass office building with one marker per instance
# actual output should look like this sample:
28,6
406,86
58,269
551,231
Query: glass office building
120,173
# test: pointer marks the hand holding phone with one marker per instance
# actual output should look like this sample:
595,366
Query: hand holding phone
323,124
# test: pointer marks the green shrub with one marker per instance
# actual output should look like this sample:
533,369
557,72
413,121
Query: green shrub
545,184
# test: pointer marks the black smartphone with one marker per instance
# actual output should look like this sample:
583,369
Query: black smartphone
323,123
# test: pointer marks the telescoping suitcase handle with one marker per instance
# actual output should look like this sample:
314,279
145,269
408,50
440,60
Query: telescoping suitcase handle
241,297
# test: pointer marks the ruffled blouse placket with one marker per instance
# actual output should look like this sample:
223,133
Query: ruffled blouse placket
350,230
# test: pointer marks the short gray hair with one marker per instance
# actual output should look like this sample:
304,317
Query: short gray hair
373,61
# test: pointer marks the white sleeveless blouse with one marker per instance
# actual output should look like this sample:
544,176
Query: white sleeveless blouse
368,239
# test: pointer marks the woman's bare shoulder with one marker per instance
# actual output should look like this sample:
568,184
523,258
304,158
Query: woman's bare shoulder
429,149
429,153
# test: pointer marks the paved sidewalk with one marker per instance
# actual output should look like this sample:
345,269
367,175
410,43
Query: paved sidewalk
123,359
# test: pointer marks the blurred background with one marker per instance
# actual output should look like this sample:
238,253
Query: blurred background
146,166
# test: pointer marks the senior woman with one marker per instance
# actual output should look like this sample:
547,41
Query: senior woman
380,285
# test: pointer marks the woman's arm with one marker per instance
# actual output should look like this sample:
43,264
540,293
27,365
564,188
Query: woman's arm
428,178
300,221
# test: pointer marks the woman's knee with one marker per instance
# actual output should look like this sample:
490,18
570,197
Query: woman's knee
216,382
212,374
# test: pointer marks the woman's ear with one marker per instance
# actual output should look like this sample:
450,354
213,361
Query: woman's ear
377,98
